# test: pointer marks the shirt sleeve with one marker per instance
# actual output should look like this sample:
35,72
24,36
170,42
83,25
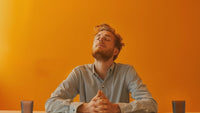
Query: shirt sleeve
61,98
143,100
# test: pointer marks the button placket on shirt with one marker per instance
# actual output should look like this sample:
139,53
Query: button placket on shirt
101,81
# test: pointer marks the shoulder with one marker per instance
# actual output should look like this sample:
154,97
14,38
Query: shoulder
124,66
125,69
85,67
81,70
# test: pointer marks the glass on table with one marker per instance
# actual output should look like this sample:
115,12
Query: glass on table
26,106
178,106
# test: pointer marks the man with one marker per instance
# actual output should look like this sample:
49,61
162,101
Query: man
104,86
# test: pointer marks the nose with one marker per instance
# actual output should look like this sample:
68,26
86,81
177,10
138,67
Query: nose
101,38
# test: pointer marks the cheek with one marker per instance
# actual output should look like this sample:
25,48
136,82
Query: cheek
93,46
111,45
94,43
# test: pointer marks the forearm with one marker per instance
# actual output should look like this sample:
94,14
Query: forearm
56,104
89,108
143,106
116,108
82,108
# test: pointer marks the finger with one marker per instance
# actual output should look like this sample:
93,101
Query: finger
104,101
103,95
105,111
101,102
99,93
101,108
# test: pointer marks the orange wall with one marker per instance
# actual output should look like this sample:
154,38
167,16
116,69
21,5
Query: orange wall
41,41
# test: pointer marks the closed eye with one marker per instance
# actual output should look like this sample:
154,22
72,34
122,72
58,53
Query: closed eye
106,38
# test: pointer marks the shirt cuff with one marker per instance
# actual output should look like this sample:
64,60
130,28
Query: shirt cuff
124,107
74,106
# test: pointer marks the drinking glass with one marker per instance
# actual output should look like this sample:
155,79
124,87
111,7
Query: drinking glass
178,106
26,106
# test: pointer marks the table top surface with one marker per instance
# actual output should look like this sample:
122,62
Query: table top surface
10,111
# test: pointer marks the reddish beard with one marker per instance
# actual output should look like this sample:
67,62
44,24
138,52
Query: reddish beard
102,55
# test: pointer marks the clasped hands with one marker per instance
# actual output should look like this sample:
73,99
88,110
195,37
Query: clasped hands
99,104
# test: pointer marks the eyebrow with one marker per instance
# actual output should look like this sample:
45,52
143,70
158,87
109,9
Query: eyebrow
107,35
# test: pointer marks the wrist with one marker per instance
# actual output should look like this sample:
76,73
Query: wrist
117,108
82,108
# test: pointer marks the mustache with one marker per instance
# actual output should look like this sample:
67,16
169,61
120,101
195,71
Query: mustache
100,44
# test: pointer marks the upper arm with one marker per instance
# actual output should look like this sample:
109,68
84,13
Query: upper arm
68,89
136,86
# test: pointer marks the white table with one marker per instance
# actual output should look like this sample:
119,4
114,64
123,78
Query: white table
9,111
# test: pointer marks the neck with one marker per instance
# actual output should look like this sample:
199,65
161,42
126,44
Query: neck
101,67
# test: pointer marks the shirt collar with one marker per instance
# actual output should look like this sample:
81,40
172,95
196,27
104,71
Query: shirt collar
110,69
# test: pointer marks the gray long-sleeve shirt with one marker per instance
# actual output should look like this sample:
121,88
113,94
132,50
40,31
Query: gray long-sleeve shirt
120,80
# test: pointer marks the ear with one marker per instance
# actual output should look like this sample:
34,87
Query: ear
116,51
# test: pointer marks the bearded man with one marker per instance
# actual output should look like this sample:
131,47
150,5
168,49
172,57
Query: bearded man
104,86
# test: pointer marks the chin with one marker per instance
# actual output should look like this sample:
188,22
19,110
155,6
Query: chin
98,50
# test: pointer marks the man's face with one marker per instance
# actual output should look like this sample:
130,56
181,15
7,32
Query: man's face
104,46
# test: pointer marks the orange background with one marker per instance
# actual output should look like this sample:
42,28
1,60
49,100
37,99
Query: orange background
41,41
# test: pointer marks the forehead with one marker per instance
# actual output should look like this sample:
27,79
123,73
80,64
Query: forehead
104,32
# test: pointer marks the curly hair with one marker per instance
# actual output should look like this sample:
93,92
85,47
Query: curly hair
118,38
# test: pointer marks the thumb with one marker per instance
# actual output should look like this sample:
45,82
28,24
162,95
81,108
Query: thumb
103,95
99,93
97,96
